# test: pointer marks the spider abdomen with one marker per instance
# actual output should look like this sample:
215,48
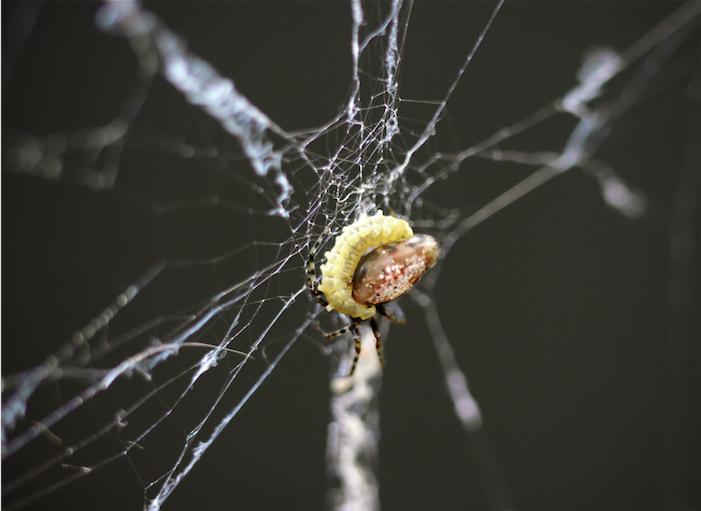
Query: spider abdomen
391,270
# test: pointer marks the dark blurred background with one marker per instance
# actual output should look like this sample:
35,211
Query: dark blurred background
578,331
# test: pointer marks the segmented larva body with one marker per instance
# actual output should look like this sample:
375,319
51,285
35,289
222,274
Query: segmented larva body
343,258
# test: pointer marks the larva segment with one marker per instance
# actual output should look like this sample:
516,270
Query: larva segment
342,259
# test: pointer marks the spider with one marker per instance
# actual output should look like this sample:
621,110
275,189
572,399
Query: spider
357,281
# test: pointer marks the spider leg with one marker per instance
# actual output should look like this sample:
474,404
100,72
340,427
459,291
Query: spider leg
378,336
312,283
352,327
399,318
355,322
356,338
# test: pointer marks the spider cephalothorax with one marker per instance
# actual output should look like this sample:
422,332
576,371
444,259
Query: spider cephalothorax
374,260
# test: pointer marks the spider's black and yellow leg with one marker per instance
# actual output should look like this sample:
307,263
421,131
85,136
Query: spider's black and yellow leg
348,328
378,337
400,319
312,283
353,327
311,278
356,338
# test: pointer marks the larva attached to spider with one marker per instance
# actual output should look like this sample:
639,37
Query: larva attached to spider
358,284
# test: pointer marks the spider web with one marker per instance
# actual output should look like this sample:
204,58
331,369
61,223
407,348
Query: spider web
170,169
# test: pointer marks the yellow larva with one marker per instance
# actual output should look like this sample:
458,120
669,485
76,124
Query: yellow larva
343,258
